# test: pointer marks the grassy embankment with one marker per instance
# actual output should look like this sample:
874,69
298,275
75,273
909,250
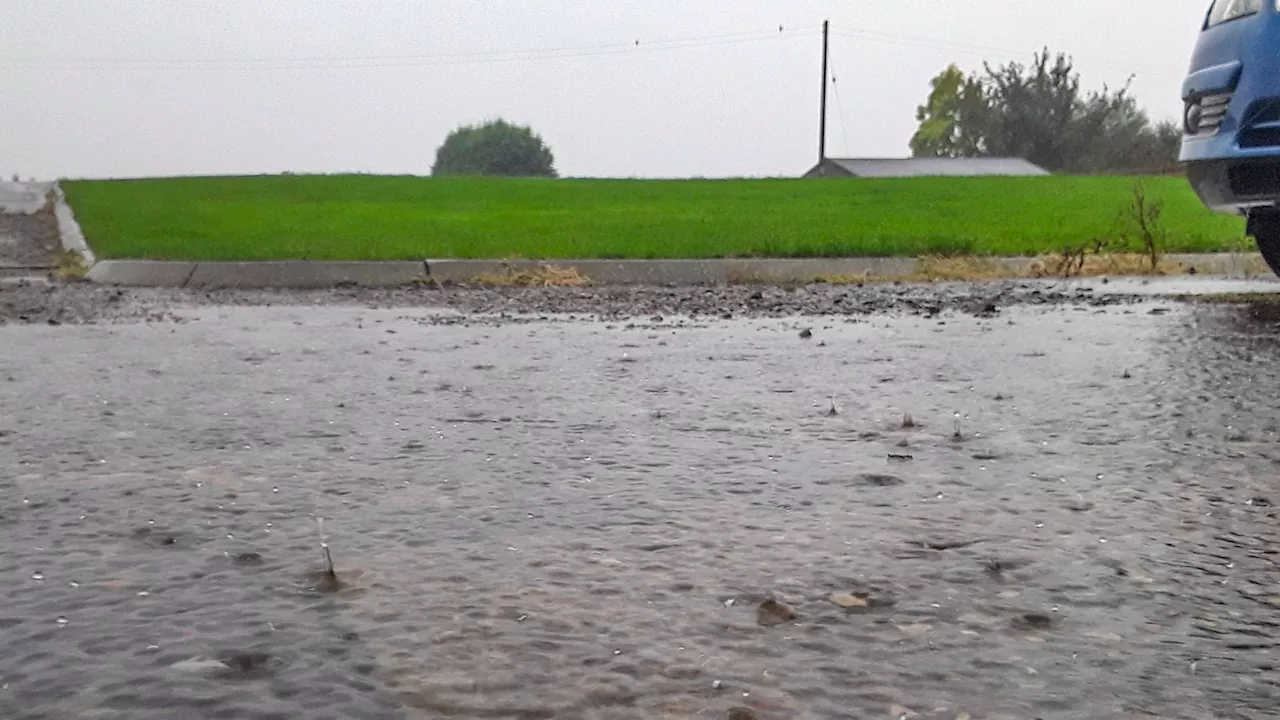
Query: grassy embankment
360,217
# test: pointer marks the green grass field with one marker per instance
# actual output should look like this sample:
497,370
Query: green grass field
360,217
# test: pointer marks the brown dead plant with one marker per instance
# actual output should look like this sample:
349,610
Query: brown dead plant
69,265
1144,214
544,275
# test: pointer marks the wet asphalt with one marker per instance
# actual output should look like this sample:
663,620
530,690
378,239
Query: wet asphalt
987,501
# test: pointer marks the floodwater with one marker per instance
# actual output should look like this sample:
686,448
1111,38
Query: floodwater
1052,512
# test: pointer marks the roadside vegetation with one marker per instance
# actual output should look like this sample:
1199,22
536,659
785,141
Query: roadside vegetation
362,217
1041,113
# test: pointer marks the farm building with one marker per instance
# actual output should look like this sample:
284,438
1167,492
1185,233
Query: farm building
922,167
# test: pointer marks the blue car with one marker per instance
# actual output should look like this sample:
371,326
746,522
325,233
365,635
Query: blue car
1231,145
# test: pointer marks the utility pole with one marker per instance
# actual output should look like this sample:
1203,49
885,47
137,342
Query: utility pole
822,123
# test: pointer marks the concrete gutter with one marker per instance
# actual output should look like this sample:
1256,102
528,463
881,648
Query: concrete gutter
69,230
317,274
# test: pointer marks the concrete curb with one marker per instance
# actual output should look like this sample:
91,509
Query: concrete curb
69,230
306,274
301,274
296,274
142,273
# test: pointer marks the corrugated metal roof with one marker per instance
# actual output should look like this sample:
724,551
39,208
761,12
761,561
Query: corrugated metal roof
920,167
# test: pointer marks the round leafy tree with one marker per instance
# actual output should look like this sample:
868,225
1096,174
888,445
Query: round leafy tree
495,148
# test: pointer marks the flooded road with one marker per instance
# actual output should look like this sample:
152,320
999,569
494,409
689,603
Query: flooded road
1035,512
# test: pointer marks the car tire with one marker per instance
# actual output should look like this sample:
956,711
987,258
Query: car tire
1264,228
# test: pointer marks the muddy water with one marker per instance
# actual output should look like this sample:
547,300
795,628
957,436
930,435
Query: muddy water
581,520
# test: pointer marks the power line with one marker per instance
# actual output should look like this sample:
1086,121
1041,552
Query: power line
977,49
421,60
835,88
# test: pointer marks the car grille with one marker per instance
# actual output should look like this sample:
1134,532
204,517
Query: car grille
1261,126
1255,179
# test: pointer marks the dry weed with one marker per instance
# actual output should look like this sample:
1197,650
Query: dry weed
69,265
543,276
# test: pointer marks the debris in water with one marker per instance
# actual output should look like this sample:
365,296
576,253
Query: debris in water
848,601
833,411
908,422
328,580
772,612
806,333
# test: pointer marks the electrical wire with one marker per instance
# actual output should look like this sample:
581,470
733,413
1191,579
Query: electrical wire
835,89
419,60
977,49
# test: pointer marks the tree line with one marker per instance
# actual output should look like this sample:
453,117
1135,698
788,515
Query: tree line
1039,112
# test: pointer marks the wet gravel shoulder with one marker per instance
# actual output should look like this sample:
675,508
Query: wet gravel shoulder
82,302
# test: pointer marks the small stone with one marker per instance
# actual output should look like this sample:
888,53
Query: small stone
806,333
877,480
198,665
772,612
847,601
1032,621
246,662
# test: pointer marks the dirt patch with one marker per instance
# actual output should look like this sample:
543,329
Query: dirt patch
29,240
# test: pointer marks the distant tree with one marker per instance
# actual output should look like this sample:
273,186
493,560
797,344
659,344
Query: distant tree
952,118
1038,112
495,148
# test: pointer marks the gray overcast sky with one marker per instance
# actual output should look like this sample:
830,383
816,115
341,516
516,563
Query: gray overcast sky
116,88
